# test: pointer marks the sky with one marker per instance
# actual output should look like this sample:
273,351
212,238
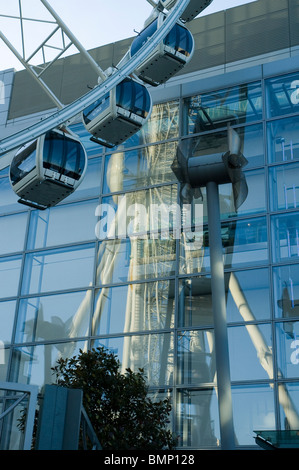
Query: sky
93,22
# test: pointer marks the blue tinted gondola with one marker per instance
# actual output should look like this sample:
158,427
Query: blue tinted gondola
48,169
170,56
118,114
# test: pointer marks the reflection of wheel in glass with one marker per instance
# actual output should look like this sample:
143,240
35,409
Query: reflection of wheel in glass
117,106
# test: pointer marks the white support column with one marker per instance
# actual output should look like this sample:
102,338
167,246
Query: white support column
220,324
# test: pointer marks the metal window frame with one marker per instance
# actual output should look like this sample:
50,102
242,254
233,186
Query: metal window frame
32,391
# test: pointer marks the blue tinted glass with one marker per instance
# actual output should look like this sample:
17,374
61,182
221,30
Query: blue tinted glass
10,269
139,168
283,140
118,262
38,370
180,39
53,151
63,154
23,162
143,37
283,95
7,316
63,224
286,236
91,183
142,102
253,409
198,418
287,334
236,105
196,357
12,232
248,295
91,147
9,199
153,353
286,291
96,108
250,352
152,302
75,159
125,94
290,410
133,97
244,242
53,317
60,269
284,186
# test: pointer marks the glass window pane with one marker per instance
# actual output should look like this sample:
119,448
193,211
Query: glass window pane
247,298
252,139
9,199
131,260
255,202
138,168
23,162
10,269
196,357
7,316
64,224
216,143
136,307
163,124
198,419
47,271
12,232
248,295
286,291
285,229
195,302
244,243
139,212
282,95
153,353
91,183
32,364
253,410
284,187
250,352
288,395
237,105
91,147
54,317
283,140
288,349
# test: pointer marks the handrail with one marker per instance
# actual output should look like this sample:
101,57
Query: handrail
87,428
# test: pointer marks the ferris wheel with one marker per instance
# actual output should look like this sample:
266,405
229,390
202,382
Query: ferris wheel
47,160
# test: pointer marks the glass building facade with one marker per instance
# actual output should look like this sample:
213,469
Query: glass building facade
148,299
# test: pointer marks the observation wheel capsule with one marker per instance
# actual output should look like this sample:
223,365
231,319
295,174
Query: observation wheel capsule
170,56
120,113
48,169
